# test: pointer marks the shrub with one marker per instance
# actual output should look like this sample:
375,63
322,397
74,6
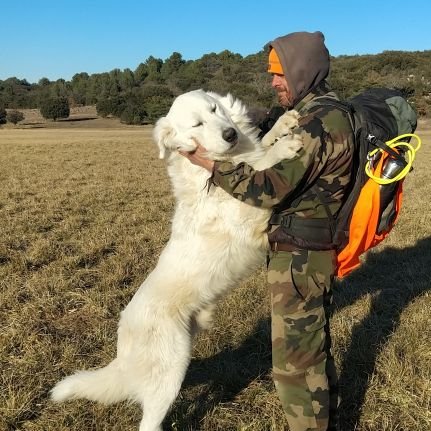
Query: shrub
15,116
3,115
133,114
111,106
157,107
55,108
103,107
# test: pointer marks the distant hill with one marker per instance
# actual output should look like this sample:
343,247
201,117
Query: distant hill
147,92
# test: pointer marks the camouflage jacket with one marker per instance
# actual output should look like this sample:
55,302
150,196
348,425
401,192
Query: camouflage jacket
325,160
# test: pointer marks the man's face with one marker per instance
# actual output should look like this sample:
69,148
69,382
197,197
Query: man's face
279,84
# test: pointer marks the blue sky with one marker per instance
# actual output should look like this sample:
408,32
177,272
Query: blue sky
56,39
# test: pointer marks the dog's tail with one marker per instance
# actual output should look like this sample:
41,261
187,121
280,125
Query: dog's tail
106,385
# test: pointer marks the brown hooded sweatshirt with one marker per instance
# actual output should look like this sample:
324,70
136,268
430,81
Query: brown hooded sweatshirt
304,59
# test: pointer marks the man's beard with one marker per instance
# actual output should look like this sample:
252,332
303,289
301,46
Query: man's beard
285,99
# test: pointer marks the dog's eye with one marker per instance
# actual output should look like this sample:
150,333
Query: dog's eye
214,108
199,124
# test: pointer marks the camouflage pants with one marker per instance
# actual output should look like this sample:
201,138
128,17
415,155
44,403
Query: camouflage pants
303,367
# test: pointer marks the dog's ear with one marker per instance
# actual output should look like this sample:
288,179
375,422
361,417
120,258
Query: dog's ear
163,135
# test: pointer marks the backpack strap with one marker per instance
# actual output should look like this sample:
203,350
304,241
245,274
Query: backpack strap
383,146
331,217
349,109
342,105
302,233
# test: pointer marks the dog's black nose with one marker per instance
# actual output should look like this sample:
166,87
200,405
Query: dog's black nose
230,135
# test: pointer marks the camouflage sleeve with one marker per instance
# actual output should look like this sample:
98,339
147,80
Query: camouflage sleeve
269,187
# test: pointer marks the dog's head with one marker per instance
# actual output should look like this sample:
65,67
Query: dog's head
197,116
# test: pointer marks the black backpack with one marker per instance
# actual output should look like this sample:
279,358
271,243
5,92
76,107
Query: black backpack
377,116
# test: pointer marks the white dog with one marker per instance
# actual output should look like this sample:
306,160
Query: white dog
216,242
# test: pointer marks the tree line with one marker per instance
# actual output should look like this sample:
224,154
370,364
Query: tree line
142,95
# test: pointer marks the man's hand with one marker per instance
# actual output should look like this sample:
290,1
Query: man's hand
197,157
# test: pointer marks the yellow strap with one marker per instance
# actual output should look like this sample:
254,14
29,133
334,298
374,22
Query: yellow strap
394,143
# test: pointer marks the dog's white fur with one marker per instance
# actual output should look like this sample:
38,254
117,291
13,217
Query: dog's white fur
216,242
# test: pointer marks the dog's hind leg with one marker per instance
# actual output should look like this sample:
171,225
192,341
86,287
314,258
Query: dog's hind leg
157,398
158,379
202,320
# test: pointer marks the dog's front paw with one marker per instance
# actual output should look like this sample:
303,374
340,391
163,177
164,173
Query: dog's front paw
287,147
288,121
283,127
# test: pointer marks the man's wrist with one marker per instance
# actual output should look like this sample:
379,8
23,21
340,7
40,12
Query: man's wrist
210,166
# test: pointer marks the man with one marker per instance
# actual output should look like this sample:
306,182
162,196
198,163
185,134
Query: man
301,192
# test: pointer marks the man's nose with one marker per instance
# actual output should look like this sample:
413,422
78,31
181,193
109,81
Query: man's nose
275,81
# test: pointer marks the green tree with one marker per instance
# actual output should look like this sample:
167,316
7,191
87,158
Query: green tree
140,73
103,107
79,86
156,90
59,89
97,87
156,100
157,106
154,66
190,76
44,82
172,65
127,80
111,106
55,108
133,114
15,93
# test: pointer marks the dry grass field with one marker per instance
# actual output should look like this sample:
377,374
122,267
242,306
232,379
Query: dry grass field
84,214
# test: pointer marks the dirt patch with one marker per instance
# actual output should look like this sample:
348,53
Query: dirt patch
33,116
80,117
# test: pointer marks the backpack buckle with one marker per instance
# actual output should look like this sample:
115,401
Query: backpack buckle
372,159
371,139
286,221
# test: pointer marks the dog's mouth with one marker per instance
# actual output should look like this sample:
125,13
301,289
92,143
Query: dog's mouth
230,135
232,146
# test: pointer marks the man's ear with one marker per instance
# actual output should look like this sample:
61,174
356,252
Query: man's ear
163,135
